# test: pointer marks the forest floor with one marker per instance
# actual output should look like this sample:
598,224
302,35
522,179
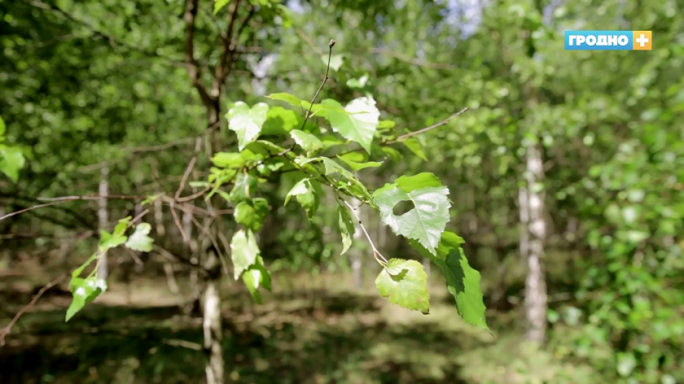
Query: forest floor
314,331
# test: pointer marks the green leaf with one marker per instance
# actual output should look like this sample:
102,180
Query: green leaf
11,161
280,121
149,199
463,282
257,276
331,141
386,124
228,160
3,127
307,193
108,241
406,286
244,251
307,141
358,124
336,61
251,214
121,226
346,228
84,291
244,184
392,153
77,272
290,99
415,147
358,166
427,220
246,122
219,4
139,241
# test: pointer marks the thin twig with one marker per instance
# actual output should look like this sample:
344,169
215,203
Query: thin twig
213,242
177,221
327,71
443,122
185,176
376,253
30,305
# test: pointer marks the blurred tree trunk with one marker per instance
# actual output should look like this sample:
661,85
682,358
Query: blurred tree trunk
355,253
532,245
103,269
211,324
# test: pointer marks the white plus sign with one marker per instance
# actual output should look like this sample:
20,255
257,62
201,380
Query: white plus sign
642,40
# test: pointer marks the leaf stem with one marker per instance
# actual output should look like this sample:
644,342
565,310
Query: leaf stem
381,260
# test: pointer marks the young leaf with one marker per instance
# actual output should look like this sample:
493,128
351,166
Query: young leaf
427,220
219,4
346,228
307,141
407,286
358,124
290,99
11,161
251,214
121,226
257,276
386,124
463,282
242,190
139,241
244,251
108,241
84,291
228,160
359,166
247,122
307,194
415,147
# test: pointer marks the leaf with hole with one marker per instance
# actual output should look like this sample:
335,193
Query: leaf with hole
406,285
358,124
346,226
307,141
139,240
243,251
427,220
246,122
251,214
463,282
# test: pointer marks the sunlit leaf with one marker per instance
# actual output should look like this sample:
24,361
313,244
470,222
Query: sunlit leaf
228,160
280,121
257,276
84,291
247,122
245,183
307,141
243,251
108,241
139,240
359,166
307,193
358,124
407,286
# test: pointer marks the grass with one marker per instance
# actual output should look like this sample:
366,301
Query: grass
313,331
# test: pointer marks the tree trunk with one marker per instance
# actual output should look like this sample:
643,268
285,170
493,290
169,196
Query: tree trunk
211,325
532,244
103,268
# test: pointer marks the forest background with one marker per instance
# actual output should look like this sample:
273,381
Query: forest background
565,176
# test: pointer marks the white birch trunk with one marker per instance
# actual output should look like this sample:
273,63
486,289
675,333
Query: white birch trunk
211,324
535,283
103,219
